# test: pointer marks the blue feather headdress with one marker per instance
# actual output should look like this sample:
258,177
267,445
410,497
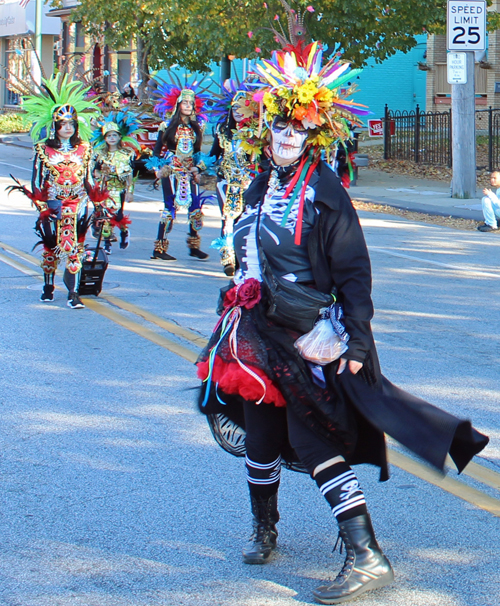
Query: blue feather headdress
168,94
125,123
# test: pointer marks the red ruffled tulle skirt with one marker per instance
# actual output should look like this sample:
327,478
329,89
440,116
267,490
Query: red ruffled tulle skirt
231,379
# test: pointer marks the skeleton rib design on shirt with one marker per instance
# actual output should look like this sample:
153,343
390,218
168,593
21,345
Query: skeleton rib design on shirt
287,259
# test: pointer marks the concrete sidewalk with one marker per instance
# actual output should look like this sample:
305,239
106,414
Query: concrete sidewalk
421,195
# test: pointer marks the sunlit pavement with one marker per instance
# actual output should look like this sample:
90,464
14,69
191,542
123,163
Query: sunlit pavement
114,493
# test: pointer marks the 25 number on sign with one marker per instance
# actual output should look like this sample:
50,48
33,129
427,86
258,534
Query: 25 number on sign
472,34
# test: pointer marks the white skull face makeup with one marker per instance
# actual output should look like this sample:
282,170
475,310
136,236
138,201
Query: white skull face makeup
287,141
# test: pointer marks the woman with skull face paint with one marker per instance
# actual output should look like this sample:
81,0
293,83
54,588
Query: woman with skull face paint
262,399
238,114
180,168
61,171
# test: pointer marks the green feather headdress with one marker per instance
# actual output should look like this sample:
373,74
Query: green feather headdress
56,92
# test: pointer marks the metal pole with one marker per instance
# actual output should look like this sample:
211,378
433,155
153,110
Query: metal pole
225,69
387,132
490,139
463,183
38,28
417,134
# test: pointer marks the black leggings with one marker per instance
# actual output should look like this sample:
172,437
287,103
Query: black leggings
268,428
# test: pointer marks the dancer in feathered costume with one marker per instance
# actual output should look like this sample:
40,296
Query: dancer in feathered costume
60,175
237,113
180,165
115,146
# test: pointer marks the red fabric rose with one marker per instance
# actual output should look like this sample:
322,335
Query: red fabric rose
245,295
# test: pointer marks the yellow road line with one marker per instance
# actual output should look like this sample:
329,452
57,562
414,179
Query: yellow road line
171,327
19,266
450,485
483,474
147,333
20,253
454,487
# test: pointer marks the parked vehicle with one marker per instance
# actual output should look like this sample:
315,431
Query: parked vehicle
147,140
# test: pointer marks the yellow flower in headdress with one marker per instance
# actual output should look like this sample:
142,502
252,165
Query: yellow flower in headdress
324,95
320,139
271,104
307,92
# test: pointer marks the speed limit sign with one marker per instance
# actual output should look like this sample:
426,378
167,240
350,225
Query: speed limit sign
466,25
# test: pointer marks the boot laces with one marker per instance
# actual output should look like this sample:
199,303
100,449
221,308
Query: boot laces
349,559
261,531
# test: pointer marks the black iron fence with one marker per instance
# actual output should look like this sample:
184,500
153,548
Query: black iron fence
425,137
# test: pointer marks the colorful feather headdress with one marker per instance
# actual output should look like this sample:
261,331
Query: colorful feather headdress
168,94
232,91
123,122
58,93
295,84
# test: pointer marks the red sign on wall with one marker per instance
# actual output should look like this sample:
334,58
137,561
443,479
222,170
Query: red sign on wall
376,127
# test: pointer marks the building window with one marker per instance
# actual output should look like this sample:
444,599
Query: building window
18,61
79,36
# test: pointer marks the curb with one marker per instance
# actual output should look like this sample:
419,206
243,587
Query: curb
474,215
15,141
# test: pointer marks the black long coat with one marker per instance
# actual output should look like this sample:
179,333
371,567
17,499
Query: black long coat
340,258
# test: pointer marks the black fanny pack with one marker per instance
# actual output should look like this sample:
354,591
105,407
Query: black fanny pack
290,304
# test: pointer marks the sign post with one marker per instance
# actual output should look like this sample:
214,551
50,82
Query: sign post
465,33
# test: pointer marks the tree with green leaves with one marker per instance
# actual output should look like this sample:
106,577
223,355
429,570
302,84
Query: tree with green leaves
194,33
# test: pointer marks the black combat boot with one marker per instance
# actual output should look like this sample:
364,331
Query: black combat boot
365,566
264,536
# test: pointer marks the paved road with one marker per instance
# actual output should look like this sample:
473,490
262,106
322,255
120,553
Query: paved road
114,493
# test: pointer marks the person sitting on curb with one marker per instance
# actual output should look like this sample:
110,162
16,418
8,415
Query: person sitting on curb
491,204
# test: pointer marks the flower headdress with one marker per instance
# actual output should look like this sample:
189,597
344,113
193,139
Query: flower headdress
169,94
60,99
296,85
124,123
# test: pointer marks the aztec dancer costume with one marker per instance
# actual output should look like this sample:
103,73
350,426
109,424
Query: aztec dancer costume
114,144
61,177
180,166
238,115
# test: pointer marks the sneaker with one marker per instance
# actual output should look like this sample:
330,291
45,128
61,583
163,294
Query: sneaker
163,256
47,295
75,302
486,228
107,247
124,239
198,254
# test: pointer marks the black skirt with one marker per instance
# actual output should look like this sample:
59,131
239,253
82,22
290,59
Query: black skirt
353,412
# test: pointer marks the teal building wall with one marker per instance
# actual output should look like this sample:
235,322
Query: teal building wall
397,81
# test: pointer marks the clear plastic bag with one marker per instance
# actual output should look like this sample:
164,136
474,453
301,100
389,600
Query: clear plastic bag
321,345
327,341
